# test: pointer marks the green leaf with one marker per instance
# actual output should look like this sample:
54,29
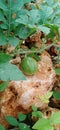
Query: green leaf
21,117
34,108
1,127
3,86
25,33
4,58
55,118
36,18
23,126
57,21
37,114
3,5
56,95
3,39
46,97
11,120
42,124
46,11
13,41
23,19
10,72
57,70
44,29
2,16
17,5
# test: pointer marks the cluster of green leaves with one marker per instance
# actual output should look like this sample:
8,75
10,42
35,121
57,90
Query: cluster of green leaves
17,123
10,10
50,16
46,97
47,124
41,124
36,113
14,18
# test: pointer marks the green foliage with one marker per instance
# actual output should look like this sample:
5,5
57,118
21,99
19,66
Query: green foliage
9,71
57,70
18,123
23,126
46,97
21,117
56,95
55,118
36,113
42,124
47,124
15,17
50,16
11,120
3,85
9,12
1,127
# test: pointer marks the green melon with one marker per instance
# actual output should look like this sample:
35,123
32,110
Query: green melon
29,65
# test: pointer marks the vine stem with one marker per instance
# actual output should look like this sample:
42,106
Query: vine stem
21,51
9,22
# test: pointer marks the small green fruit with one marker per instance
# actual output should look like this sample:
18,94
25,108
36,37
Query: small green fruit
29,65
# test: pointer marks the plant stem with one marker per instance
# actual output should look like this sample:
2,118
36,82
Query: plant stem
9,20
21,51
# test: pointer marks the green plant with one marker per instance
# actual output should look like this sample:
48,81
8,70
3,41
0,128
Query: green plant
47,124
1,127
3,86
46,97
9,29
57,70
9,71
50,16
56,95
36,113
18,123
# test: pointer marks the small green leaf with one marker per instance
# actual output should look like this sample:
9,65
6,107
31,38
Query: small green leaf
56,95
4,58
11,120
1,127
57,70
23,126
21,117
55,118
44,29
2,5
3,39
34,108
46,97
37,114
3,86
13,41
